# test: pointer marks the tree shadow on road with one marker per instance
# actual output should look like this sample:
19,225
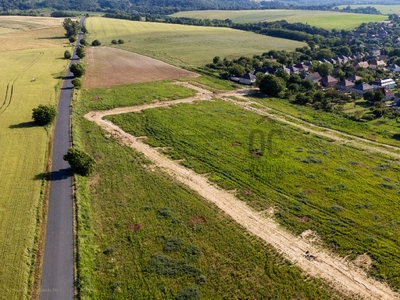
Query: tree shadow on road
54,175
23,125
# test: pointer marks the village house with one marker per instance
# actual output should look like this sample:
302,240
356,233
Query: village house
345,85
361,88
354,78
384,83
328,81
394,68
361,64
374,64
301,67
314,77
387,94
247,78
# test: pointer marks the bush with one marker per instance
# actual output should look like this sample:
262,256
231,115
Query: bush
78,69
165,212
77,83
83,42
114,42
81,163
192,252
72,39
67,54
96,43
188,293
80,51
44,114
173,244
121,41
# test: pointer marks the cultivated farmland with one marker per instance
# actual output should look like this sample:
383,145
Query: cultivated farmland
23,148
183,45
384,9
130,67
324,19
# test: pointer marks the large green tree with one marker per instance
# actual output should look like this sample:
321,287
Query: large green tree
80,51
325,69
44,114
81,163
71,27
271,85
78,69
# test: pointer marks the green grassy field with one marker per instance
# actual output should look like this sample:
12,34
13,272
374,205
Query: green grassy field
348,197
180,44
24,148
384,9
324,19
382,130
143,236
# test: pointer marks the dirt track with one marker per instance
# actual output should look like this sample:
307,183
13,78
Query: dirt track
341,273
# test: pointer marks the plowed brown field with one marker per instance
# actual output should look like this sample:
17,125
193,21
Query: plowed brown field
107,67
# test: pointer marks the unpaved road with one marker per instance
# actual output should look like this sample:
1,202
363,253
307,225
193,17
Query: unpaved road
341,273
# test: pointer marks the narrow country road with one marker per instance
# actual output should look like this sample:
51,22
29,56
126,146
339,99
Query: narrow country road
58,259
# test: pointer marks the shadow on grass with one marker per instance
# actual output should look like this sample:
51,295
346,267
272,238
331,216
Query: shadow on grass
54,175
363,104
396,136
54,38
23,125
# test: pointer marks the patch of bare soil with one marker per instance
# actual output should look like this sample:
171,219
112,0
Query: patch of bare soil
363,261
340,272
125,67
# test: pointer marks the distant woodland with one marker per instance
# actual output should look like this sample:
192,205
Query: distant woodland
164,7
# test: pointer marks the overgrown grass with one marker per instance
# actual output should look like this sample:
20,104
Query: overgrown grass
133,94
334,188
324,19
183,45
212,83
382,130
143,236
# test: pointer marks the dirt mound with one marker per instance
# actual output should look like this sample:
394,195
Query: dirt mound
125,67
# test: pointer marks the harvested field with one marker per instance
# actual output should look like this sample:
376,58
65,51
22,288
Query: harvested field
126,68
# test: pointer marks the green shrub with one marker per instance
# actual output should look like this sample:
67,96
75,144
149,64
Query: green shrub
44,114
96,43
78,69
67,54
121,41
192,252
188,293
173,244
77,83
80,162
114,42
165,212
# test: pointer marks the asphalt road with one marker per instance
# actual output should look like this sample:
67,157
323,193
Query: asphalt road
58,259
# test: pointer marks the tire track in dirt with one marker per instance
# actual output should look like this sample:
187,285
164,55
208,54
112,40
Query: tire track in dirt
10,86
339,272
